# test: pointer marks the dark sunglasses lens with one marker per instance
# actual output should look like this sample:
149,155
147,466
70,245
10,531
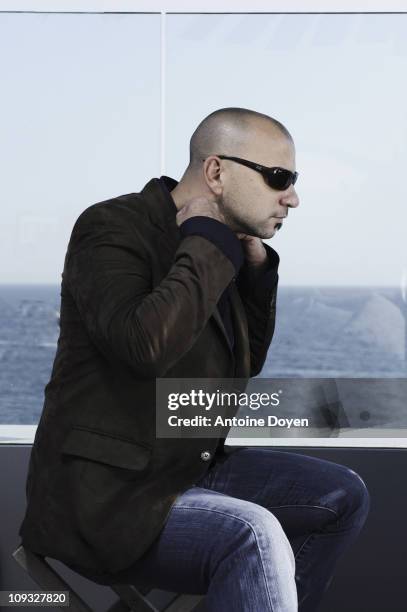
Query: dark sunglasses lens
280,179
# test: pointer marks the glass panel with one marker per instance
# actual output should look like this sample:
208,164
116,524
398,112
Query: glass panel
79,119
336,82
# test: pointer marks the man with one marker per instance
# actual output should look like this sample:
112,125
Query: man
176,282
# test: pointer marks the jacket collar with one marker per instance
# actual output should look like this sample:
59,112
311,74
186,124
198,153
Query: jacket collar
161,205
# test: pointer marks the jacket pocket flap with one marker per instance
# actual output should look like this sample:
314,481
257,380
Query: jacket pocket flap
104,448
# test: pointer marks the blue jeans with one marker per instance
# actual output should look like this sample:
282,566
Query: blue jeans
260,532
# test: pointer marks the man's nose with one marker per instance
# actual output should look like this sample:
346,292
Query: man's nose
290,198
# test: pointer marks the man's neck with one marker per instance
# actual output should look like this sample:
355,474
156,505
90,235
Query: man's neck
183,193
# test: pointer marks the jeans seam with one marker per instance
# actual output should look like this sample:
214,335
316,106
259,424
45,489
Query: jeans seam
242,520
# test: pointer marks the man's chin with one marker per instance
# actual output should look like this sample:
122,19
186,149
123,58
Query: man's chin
269,233
265,232
272,231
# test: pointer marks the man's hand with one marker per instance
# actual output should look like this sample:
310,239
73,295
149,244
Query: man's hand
200,206
255,252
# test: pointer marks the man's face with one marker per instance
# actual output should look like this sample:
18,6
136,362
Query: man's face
249,204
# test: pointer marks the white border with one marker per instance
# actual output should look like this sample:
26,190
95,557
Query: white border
24,434
322,442
17,434
205,6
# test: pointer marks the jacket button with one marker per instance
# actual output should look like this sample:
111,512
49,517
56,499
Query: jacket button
205,455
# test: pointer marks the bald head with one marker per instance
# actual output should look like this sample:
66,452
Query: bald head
248,204
230,131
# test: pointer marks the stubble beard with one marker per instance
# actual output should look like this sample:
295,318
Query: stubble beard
237,224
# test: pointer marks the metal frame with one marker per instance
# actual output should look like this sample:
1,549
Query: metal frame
131,598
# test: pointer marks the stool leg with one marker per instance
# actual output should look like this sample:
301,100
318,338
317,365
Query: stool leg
119,606
133,598
186,603
47,578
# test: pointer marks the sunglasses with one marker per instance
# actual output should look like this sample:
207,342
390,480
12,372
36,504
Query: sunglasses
276,178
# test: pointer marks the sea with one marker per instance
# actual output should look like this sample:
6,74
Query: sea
333,333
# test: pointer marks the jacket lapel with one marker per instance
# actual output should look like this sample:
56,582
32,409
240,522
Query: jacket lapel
241,351
242,347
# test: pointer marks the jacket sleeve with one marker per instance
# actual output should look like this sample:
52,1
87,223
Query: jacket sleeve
258,293
218,233
108,273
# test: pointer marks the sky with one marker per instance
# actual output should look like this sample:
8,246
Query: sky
80,122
